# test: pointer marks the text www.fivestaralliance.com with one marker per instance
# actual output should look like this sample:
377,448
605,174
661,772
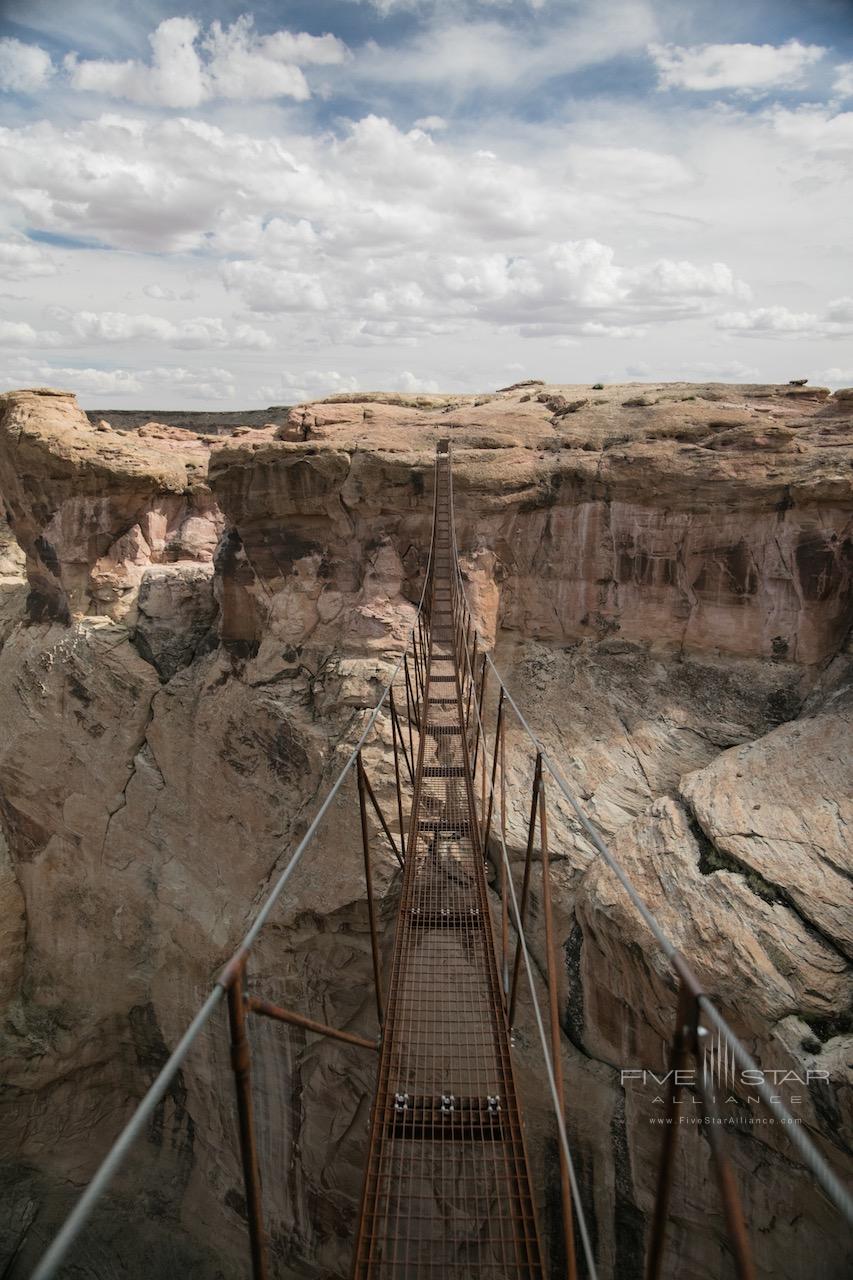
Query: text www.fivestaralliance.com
734,1120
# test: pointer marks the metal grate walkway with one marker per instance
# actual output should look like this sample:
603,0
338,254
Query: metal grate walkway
447,1189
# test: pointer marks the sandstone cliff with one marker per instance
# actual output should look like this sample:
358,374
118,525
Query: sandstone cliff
193,625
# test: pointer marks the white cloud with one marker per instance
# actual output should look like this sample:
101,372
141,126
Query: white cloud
384,7
843,83
780,322
431,124
596,329
192,384
468,55
411,384
834,377
745,68
815,128
24,68
22,260
274,289
18,333
188,69
313,384
631,168
159,294
96,382
197,333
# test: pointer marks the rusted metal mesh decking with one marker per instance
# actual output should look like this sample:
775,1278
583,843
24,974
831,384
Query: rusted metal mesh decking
447,1189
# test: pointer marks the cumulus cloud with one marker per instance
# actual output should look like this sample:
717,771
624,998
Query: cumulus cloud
411,384
781,322
379,236
814,128
431,124
745,68
198,333
188,68
159,294
18,333
312,384
93,328
22,260
467,54
843,83
95,382
211,383
24,68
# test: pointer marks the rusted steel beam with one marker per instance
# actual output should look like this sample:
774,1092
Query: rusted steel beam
481,704
397,780
504,897
472,682
381,816
368,880
241,1066
498,732
525,886
685,1018
409,701
732,1206
395,723
412,702
256,1004
556,1038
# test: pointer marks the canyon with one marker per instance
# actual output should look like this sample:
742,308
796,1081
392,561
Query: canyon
194,626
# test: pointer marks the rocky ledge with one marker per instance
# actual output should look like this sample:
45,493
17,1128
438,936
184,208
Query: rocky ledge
191,629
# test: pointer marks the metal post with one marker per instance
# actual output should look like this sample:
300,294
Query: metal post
409,707
399,732
471,687
368,880
504,899
498,732
732,1207
525,887
381,816
241,1066
481,705
397,775
556,1048
679,1054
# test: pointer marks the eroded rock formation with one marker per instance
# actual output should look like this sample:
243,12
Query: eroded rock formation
191,631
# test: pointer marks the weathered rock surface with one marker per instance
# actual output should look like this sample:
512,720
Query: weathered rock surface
707,520
665,574
91,512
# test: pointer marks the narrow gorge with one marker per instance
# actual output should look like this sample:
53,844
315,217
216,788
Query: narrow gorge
193,629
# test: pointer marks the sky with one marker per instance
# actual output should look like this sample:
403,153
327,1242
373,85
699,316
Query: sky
230,207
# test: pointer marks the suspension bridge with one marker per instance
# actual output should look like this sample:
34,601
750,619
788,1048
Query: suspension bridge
447,1188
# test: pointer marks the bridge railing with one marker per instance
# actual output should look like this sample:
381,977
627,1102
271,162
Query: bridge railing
695,1015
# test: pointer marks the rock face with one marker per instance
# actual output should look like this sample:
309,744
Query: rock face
92,512
704,520
192,629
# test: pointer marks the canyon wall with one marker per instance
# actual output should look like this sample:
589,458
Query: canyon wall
193,629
